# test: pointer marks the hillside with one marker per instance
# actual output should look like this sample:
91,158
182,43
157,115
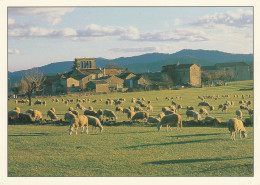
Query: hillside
147,62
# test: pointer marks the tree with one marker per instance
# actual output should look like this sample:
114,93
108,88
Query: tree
23,86
34,79
112,65
75,65
16,88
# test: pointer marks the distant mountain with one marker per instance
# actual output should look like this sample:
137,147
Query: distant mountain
147,62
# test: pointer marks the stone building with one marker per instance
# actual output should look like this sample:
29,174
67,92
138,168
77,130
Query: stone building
98,86
183,74
114,82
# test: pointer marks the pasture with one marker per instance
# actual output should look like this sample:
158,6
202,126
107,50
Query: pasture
134,149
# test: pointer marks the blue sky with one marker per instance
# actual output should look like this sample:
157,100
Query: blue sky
39,36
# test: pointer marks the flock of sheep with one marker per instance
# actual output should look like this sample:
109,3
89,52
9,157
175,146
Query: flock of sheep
168,117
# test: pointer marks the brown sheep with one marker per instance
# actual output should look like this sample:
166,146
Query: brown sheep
37,115
140,115
95,122
69,116
52,115
203,111
153,120
171,119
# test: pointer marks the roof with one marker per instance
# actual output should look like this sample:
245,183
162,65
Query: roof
124,75
112,71
206,68
175,66
231,64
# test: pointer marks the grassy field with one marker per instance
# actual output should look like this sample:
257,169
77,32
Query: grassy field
134,150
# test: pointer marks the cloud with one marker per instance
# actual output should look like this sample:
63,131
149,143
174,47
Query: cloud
140,49
239,18
50,15
13,51
176,22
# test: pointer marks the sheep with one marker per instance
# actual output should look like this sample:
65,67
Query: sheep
149,102
243,107
225,108
13,115
173,108
234,126
133,100
75,112
190,108
90,108
179,107
203,104
196,116
170,119
69,116
57,100
26,118
137,108
220,106
189,113
17,109
156,98
119,109
52,109
239,114
249,103
109,114
169,112
44,103
37,115
173,103
161,115
79,106
131,108
209,120
140,115
95,122
166,109
203,111
29,111
130,115
75,123
38,102
126,111
66,103
250,112
52,115
153,120
90,113
150,108
211,108
70,109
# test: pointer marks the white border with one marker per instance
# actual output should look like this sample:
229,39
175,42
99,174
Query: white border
5,180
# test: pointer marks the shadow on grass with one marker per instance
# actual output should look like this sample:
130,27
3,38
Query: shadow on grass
163,162
31,134
141,132
174,143
214,134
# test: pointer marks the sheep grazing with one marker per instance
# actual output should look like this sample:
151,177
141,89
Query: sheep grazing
140,115
171,119
119,109
169,112
52,109
196,116
211,108
220,106
133,100
239,114
203,111
251,112
69,116
243,107
234,126
130,115
203,104
150,108
13,114
90,113
79,106
166,109
17,109
52,115
225,108
70,109
126,111
38,102
137,108
29,111
249,103
209,120
179,107
66,103
44,103
173,103
90,108
26,118
161,115
57,100
37,115
153,120
131,108
109,114
189,113
75,123
95,122
190,108
75,112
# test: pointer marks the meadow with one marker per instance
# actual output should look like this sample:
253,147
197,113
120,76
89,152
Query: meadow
134,149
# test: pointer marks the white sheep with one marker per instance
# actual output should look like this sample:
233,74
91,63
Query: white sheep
69,116
75,123
189,113
52,115
140,115
239,114
196,116
171,119
152,119
203,111
234,126
109,114
95,122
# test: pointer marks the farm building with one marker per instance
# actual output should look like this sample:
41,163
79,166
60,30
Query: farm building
114,82
98,86
182,74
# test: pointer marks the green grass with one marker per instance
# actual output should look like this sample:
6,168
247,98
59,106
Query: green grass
137,150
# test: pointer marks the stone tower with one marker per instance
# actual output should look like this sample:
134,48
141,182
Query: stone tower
85,63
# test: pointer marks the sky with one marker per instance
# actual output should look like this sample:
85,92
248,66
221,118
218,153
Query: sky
43,35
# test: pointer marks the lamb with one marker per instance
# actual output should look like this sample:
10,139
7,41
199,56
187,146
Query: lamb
69,116
57,100
95,122
173,103
239,114
81,121
140,115
109,114
153,120
189,113
52,115
80,106
234,126
203,111
220,106
173,119
161,115
66,103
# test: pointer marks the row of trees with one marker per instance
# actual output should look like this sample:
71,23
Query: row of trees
30,83
224,76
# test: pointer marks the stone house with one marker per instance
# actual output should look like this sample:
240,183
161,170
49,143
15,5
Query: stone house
115,83
98,86
183,74
137,82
